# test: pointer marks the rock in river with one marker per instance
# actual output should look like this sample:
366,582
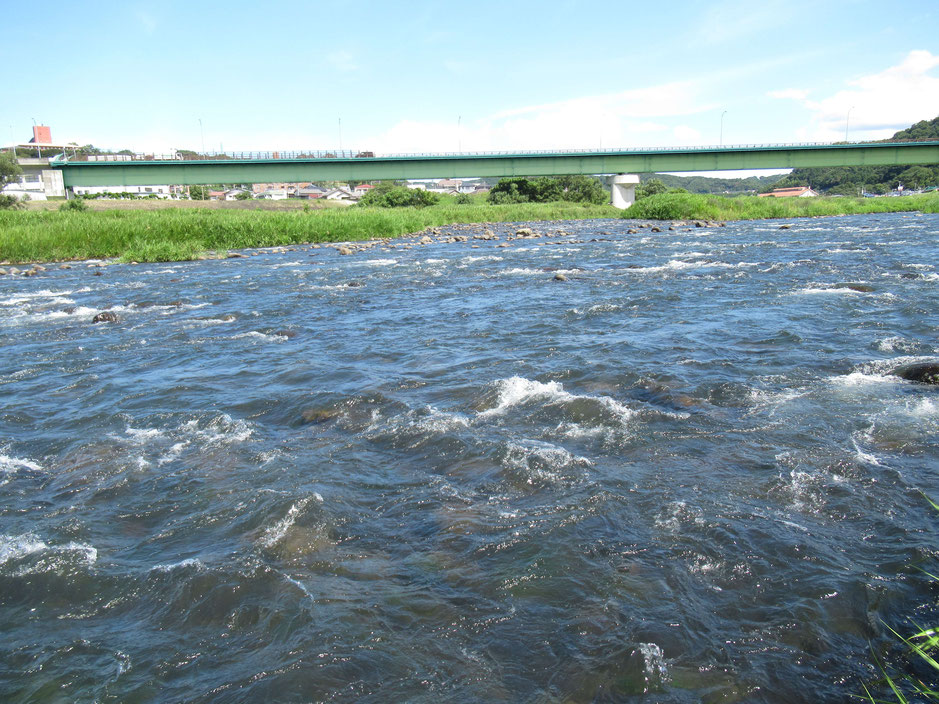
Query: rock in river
105,317
925,372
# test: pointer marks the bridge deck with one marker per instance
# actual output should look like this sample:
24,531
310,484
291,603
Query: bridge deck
414,166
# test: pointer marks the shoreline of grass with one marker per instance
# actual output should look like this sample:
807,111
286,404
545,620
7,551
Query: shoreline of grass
178,234
692,206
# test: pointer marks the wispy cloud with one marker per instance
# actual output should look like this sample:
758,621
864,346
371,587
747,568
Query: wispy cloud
342,61
877,105
736,19
631,117
147,21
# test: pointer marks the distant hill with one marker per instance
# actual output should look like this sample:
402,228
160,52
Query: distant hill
707,184
849,180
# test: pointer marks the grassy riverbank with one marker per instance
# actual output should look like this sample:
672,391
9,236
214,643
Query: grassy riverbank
172,234
691,206
179,234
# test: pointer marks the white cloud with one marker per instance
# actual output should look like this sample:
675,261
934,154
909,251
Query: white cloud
685,135
879,104
633,117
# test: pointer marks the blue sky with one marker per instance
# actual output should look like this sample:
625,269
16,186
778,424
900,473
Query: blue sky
433,76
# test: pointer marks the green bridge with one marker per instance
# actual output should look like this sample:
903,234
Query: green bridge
142,172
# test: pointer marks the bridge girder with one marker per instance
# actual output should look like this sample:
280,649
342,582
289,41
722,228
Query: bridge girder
142,173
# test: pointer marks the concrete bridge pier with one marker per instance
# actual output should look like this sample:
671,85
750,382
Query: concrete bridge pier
623,187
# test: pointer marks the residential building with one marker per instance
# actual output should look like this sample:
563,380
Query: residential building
799,192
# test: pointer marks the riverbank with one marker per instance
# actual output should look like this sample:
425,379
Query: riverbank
138,232
183,234
692,206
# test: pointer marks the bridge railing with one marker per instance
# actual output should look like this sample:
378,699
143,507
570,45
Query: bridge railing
185,155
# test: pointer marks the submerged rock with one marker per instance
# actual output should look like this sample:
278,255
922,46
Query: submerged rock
560,277
924,372
316,416
105,317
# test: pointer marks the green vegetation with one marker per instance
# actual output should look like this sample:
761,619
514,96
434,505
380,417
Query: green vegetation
389,195
849,180
179,234
197,192
76,205
9,172
922,649
706,184
548,189
691,206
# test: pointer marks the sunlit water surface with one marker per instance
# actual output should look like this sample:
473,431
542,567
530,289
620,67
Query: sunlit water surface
684,474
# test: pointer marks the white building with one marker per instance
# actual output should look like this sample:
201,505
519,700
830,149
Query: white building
158,191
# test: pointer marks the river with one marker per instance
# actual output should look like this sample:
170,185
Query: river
441,473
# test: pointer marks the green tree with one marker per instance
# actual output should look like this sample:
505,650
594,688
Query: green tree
197,192
651,187
583,189
9,172
244,195
388,195
513,190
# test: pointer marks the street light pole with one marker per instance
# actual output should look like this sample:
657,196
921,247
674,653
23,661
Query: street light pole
721,143
202,134
459,135
847,120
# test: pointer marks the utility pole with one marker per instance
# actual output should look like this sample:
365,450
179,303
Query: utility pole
202,134
721,143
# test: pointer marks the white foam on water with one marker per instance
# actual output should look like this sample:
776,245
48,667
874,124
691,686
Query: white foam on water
9,466
380,262
190,562
16,547
678,513
263,337
484,258
541,460
436,261
517,391
655,671
598,308
514,271
221,430
862,379
173,453
864,457
276,532
678,265
925,408
828,291
896,344
47,297
141,436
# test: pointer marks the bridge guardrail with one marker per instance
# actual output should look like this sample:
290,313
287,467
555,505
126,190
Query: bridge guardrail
365,154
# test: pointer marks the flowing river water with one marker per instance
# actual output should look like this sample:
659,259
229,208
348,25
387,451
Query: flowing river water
438,473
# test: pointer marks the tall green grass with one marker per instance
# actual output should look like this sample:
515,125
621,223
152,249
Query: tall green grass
691,206
178,234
